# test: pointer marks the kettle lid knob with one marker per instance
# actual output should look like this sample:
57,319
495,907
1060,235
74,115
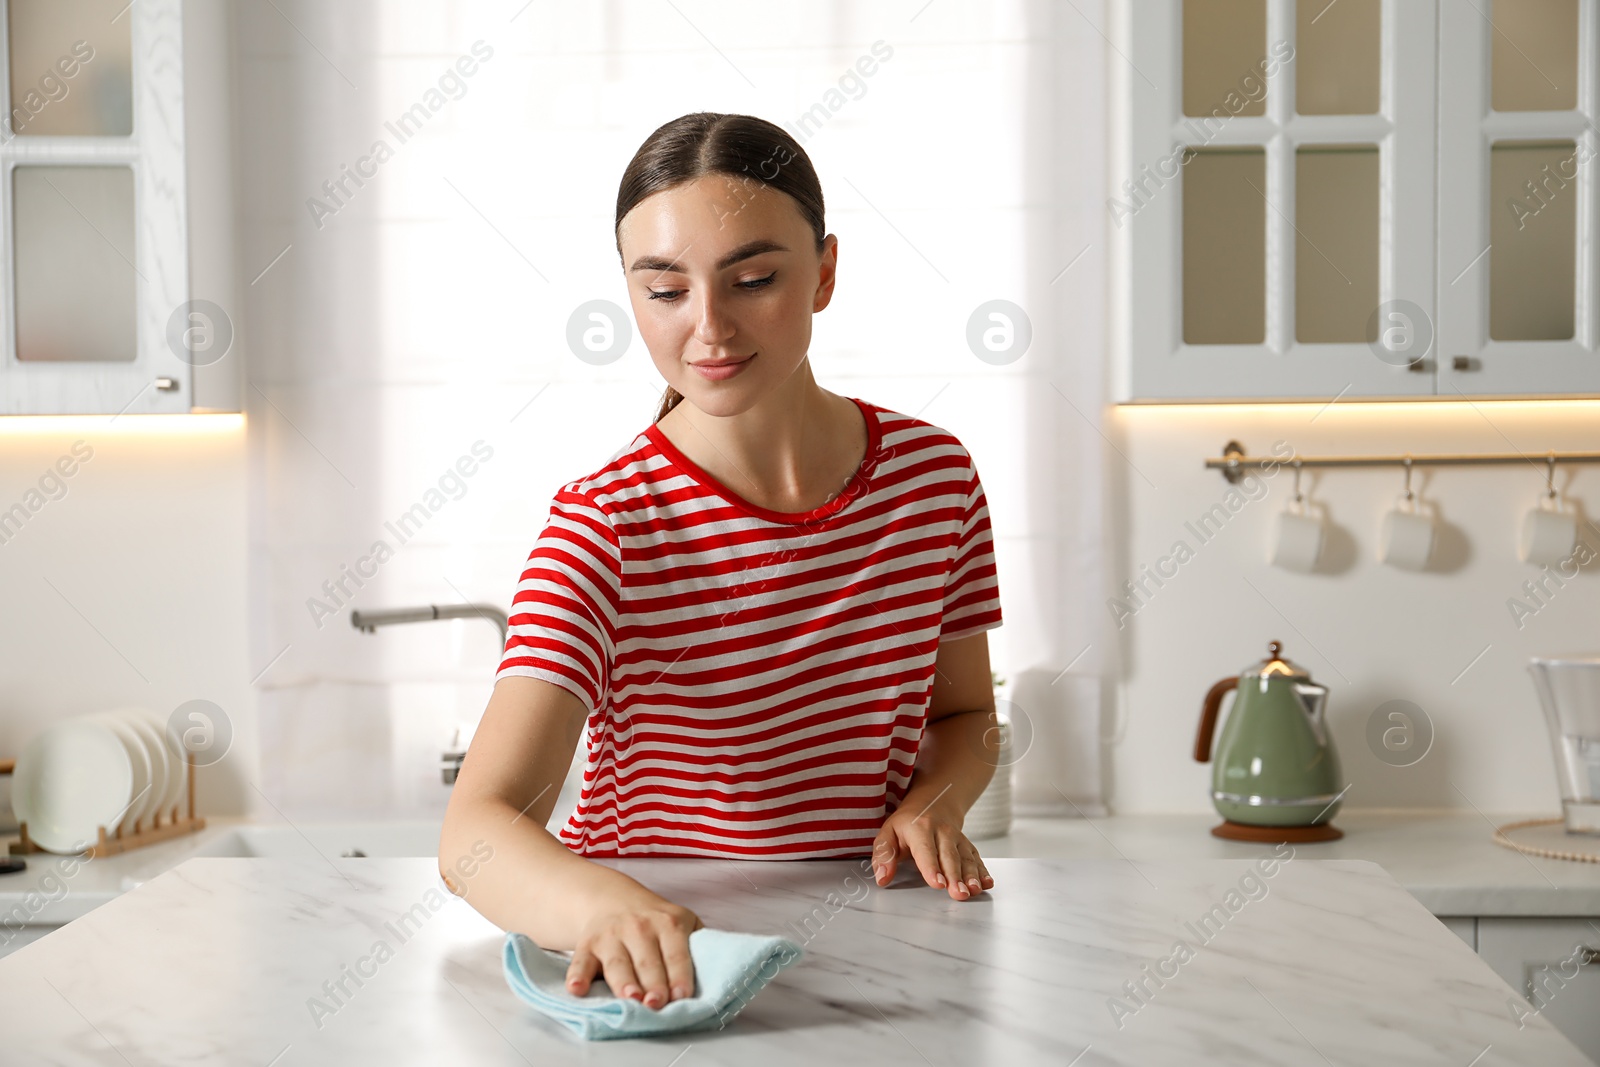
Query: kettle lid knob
1276,664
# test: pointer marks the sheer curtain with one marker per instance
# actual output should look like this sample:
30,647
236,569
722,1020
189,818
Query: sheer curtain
420,326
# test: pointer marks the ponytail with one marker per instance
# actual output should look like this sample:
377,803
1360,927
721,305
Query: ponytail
669,400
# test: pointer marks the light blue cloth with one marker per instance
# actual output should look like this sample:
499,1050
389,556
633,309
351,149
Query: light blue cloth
729,969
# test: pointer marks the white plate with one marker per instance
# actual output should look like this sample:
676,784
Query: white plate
176,767
169,773
141,793
72,778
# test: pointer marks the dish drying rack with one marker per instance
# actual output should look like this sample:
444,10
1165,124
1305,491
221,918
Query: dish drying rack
164,825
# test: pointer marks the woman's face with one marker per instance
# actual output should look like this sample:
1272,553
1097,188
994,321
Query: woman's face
724,277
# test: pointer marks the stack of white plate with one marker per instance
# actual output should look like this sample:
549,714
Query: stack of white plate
991,812
114,769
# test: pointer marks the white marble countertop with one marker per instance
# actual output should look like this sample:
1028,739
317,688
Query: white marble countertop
56,889
1444,859
217,962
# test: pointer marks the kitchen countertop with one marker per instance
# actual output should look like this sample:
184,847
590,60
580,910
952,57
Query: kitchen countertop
1444,859
223,961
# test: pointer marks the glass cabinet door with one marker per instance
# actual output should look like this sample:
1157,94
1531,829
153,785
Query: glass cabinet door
1518,198
93,237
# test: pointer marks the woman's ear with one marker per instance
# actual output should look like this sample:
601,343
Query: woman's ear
826,272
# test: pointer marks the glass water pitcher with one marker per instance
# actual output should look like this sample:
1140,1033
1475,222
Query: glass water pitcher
1569,690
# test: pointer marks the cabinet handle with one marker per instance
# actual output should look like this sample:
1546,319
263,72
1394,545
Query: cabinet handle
1461,363
166,385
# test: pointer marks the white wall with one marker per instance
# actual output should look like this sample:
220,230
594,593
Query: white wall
127,586
1369,632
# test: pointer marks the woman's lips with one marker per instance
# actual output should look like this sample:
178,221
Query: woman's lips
718,372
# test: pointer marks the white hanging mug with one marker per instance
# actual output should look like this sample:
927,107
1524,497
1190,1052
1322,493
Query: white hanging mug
1298,538
1408,532
1407,536
1549,532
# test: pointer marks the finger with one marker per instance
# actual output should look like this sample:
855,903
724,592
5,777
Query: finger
650,970
926,855
885,855
618,967
680,965
971,868
581,971
950,865
980,871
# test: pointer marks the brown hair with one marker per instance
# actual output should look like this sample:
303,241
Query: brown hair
707,142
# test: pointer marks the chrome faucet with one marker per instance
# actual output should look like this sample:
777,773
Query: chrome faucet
369,621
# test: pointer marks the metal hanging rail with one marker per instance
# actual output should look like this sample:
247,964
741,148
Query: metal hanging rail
1234,461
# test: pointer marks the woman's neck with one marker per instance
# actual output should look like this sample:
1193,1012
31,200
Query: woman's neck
791,451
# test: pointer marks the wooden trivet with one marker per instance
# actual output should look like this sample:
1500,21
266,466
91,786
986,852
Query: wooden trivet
1277,835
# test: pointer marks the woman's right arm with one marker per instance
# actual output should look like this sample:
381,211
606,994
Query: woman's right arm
533,884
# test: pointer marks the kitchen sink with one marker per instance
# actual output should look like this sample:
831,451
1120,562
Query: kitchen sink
376,838
334,839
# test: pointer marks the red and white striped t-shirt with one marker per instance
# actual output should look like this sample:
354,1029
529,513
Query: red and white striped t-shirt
757,682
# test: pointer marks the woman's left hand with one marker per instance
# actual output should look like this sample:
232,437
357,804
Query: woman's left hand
930,832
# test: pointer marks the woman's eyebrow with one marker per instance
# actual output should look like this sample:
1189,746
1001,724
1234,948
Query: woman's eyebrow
744,251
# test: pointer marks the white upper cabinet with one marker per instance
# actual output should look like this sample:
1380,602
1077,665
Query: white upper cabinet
93,234
1306,194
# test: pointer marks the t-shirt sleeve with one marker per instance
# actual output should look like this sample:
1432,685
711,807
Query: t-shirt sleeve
972,590
564,612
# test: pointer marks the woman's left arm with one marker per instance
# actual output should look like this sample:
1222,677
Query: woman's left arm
957,758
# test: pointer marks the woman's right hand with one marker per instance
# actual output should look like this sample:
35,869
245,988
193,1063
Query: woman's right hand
639,943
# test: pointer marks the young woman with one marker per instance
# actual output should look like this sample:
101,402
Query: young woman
765,617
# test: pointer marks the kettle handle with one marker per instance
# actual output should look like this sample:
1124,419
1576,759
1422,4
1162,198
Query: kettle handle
1208,718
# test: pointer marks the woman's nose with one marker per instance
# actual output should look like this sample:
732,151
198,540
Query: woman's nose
712,324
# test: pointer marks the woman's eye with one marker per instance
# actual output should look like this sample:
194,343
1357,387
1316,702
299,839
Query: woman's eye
670,295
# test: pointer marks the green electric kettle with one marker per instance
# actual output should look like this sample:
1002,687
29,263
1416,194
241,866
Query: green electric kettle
1276,775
